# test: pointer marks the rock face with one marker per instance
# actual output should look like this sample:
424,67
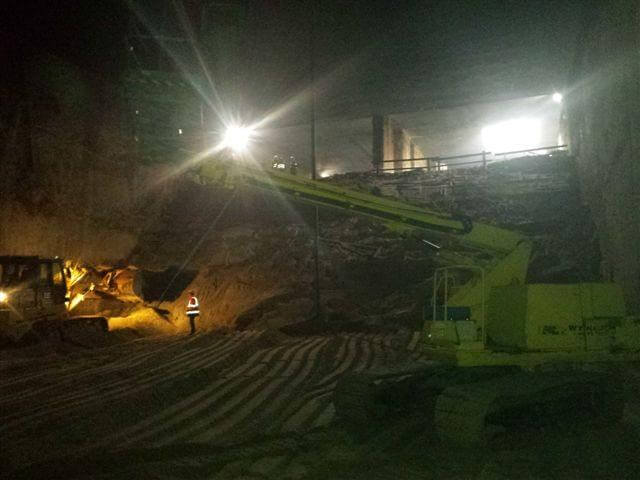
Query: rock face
603,112
538,196
69,181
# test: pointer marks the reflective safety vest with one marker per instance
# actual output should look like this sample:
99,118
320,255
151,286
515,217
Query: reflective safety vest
193,306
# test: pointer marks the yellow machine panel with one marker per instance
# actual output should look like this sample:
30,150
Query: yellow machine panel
541,317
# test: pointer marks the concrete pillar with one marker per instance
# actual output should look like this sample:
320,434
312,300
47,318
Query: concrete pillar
387,148
412,148
377,123
398,147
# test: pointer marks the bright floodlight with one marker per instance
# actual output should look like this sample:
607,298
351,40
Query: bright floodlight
237,138
327,173
3,297
512,135
557,97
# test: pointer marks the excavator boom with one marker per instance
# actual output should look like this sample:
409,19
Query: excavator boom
509,251
396,214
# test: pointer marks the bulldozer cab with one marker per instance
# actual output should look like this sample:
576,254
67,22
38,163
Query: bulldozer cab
18,273
13,274
31,289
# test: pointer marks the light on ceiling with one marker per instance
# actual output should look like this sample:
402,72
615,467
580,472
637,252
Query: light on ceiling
512,135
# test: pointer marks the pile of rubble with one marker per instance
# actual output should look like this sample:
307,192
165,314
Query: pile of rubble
516,177
535,195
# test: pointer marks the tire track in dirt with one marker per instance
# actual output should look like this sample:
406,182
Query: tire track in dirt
274,415
83,424
413,343
188,408
125,360
130,385
114,351
216,395
253,386
346,354
71,378
77,397
316,407
265,417
258,389
271,395
174,412
302,411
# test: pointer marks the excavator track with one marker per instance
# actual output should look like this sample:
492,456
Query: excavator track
362,397
474,413
473,405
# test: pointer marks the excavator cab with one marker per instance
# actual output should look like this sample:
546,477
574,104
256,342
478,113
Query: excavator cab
451,320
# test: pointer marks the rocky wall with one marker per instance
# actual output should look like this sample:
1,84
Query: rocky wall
70,183
603,116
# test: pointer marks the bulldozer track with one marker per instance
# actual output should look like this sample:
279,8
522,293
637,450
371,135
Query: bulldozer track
207,389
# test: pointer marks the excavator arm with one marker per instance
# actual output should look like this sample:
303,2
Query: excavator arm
396,214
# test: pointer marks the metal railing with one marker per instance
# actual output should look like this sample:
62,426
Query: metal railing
530,150
436,164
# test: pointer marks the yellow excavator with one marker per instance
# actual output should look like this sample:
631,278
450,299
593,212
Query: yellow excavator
36,301
503,353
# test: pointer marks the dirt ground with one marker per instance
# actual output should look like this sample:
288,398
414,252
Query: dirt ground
258,404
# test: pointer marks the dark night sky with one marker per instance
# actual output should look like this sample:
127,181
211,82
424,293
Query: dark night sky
92,31
385,42
89,33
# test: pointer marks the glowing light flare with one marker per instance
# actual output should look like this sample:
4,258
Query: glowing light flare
557,97
3,297
237,138
76,301
327,173
512,135
75,273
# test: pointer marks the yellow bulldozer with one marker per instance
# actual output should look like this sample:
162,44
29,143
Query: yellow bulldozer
36,301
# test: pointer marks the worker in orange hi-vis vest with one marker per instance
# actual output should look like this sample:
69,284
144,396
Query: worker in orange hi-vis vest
193,310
